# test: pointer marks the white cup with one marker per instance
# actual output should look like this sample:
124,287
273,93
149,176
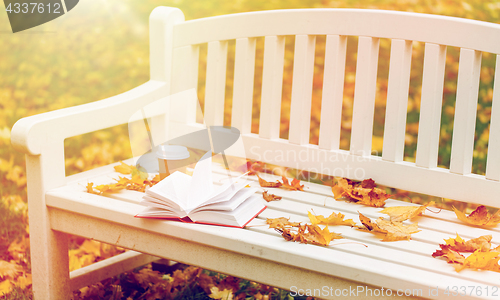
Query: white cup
172,158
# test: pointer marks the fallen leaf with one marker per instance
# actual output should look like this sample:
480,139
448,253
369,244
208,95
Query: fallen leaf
264,183
224,294
124,168
480,217
294,186
402,213
270,197
397,231
364,192
482,243
281,223
449,254
90,188
333,219
392,231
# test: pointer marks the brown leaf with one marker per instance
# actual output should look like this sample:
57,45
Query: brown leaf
480,217
482,243
363,193
270,197
294,186
267,184
392,231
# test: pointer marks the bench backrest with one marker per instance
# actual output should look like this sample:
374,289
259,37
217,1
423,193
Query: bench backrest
175,57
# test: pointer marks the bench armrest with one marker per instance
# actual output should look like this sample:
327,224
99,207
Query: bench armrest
28,134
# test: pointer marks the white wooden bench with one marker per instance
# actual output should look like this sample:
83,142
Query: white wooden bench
59,205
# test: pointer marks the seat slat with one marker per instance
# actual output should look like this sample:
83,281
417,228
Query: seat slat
464,124
364,95
493,159
430,105
244,69
303,71
397,100
215,83
333,92
272,83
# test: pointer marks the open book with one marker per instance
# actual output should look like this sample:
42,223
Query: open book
196,199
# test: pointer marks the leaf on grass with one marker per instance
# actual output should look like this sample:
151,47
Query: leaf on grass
224,294
402,213
270,197
392,231
9,270
363,192
264,183
294,186
480,217
333,219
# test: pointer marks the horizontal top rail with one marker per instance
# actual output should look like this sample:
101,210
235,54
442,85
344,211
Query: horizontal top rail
458,32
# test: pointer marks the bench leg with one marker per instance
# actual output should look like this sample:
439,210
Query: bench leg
49,248
50,265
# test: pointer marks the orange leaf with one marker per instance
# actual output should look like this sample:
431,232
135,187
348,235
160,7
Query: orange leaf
363,193
267,184
482,243
270,197
480,217
294,186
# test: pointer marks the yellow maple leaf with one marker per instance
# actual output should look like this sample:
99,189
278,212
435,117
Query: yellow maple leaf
333,219
397,231
480,217
482,243
124,168
224,294
402,213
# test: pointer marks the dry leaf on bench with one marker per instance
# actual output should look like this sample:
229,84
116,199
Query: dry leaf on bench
481,258
281,223
402,213
392,231
333,219
363,192
294,186
264,183
270,197
480,216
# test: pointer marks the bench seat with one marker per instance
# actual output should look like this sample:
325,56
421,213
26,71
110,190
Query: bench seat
359,261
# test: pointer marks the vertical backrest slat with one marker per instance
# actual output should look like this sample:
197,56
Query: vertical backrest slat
303,71
185,66
493,159
397,100
430,105
364,95
244,69
464,124
333,92
215,83
272,84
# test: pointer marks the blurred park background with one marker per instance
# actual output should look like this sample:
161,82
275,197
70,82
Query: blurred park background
100,49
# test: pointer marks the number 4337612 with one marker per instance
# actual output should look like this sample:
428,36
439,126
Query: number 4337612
34,8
